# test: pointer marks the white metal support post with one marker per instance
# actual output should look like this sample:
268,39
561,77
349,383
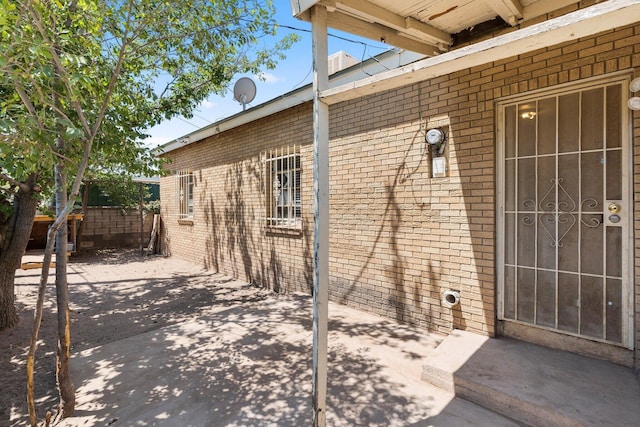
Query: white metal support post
321,212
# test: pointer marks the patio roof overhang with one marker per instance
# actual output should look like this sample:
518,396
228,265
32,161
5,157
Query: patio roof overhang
572,26
426,26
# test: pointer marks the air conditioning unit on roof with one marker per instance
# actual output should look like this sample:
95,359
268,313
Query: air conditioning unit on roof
340,60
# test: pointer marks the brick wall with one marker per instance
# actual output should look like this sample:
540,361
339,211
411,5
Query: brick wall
398,237
109,227
227,232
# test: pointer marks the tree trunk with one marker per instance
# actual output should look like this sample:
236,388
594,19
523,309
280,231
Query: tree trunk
8,312
65,386
16,238
85,212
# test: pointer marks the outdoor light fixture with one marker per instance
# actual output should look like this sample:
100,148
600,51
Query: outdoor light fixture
634,102
528,115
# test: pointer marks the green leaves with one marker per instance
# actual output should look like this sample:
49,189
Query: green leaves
195,48
96,73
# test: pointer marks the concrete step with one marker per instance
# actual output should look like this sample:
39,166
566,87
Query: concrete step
535,385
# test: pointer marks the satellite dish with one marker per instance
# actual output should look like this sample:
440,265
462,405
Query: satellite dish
244,91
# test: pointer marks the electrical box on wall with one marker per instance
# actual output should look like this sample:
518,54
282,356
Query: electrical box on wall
437,139
438,167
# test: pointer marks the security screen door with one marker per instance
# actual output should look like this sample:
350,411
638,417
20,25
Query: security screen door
564,212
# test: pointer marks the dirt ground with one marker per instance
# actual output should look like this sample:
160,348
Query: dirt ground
113,295
163,342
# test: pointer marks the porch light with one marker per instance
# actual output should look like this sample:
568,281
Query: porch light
634,102
529,115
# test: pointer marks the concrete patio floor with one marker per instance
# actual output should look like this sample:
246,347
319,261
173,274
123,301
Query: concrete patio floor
245,360
163,342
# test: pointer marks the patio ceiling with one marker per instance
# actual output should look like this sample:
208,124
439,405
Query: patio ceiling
533,32
426,26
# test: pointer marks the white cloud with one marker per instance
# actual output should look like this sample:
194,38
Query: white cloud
206,104
269,78
154,141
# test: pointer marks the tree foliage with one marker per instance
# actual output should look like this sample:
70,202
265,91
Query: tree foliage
105,71
81,80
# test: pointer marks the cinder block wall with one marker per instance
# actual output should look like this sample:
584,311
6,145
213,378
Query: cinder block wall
109,227
398,237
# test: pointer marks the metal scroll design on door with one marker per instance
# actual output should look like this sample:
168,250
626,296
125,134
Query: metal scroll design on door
559,211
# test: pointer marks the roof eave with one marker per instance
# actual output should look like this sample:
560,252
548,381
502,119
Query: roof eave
275,105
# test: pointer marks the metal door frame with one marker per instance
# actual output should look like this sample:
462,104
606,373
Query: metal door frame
628,246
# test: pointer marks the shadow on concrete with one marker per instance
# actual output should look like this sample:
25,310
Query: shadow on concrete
241,364
159,341
104,307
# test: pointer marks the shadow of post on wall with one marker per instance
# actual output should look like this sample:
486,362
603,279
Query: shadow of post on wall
388,230
411,203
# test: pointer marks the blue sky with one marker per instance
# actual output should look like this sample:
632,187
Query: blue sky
293,72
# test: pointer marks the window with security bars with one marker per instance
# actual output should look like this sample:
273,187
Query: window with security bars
184,186
282,187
